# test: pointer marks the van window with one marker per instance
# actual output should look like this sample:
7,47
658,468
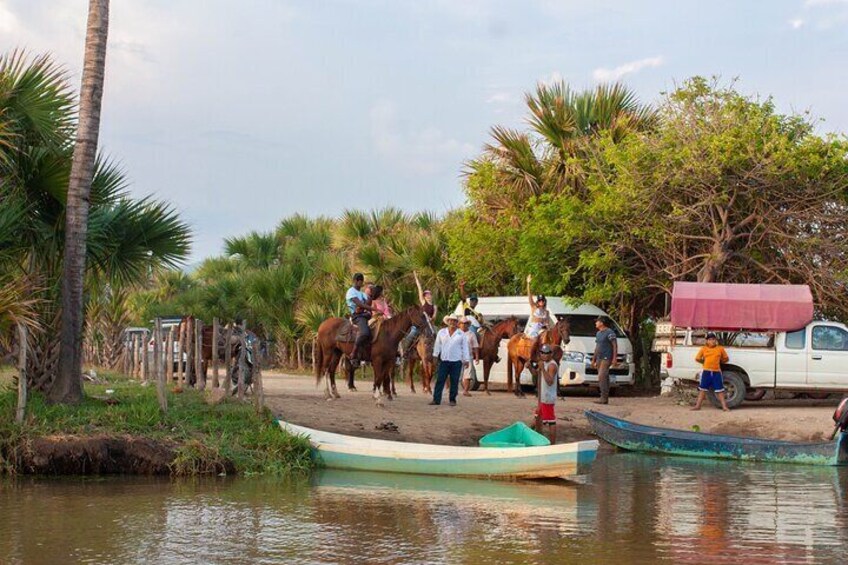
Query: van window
583,325
796,339
830,338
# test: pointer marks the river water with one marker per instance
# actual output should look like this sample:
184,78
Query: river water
630,509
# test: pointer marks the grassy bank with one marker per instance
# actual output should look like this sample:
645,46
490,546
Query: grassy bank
197,437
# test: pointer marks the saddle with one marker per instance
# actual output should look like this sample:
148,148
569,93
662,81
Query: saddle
348,331
527,346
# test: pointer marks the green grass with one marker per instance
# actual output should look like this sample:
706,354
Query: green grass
205,435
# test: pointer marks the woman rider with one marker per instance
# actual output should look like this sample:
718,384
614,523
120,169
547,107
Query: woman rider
430,310
540,316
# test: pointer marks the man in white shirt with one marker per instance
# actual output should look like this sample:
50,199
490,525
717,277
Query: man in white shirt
452,352
469,373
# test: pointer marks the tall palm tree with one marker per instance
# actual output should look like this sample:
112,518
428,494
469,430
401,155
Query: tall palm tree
67,387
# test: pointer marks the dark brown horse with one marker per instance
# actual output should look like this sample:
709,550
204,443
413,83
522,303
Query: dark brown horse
490,344
384,347
523,350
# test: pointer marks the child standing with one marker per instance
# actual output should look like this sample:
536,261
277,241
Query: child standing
545,416
711,356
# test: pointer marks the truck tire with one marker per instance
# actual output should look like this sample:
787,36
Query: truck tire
735,388
755,394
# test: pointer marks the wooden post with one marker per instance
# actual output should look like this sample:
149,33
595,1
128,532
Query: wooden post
198,355
127,353
258,392
228,354
22,376
144,361
136,369
242,368
169,357
215,333
189,369
181,353
161,392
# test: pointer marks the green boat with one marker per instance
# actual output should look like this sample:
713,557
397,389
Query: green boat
337,451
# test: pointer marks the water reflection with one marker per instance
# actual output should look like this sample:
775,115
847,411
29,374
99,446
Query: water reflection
631,509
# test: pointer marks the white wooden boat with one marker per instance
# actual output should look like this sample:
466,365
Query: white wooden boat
339,451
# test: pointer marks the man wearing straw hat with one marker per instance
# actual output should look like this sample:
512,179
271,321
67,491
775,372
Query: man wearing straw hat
469,372
451,351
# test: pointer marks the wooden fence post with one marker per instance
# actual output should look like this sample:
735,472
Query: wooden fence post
228,354
189,369
169,357
242,367
127,353
215,333
136,362
145,363
161,392
198,355
258,392
181,353
22,376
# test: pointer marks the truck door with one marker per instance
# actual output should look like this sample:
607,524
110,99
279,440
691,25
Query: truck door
792,359
827,361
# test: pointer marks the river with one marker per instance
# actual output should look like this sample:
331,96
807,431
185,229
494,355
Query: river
630,509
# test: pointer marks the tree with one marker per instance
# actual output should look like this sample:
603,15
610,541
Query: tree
67,387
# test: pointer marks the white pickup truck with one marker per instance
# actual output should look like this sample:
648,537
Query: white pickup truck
813,359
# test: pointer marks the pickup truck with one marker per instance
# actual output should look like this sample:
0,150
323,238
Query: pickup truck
813,359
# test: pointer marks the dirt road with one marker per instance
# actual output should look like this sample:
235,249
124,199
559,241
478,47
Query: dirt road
297,400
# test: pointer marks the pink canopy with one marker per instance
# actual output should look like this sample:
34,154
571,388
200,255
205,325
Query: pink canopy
732,307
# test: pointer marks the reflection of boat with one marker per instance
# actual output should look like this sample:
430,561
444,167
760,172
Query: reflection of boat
347,452
637,437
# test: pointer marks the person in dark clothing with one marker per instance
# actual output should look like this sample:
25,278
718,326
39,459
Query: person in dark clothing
606,353
359,306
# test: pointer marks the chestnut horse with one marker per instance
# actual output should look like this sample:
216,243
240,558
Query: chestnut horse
523,350
421,351
490,344
384,348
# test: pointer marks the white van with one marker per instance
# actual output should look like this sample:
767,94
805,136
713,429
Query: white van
576,367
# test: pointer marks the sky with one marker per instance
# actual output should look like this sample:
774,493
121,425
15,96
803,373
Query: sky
242,113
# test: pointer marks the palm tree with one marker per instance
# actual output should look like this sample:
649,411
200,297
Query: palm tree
67,388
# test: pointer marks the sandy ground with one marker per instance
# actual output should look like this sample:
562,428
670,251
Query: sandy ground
296,399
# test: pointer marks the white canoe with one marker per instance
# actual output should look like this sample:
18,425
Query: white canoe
339,451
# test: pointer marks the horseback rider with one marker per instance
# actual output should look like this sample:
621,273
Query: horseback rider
469,305
429,308
379,302
540,317
359,307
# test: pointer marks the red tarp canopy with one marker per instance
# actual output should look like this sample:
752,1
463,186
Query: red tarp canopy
733,307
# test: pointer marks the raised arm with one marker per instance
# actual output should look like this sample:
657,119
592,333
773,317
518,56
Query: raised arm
420,290
530,294
462,294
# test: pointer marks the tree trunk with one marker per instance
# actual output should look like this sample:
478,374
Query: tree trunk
258,391
67,387
189,366
22,376
161,391
216,332
200,377
228,354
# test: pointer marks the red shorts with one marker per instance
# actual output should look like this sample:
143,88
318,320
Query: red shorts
546,413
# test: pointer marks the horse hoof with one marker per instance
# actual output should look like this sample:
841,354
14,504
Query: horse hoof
336,395
488,393
351,389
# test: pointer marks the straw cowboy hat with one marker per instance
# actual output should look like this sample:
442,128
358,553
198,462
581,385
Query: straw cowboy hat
450,317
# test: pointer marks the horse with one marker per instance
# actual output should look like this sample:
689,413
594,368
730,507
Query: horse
422,351
523,350
384,347
490,344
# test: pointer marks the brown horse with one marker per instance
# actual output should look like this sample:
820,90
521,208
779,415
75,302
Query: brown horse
384,348
523,350
490,344
423,352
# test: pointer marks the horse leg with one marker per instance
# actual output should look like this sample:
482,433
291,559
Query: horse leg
351,371
431,370
394,375
487,368
409,367
510,368
377,367
519,368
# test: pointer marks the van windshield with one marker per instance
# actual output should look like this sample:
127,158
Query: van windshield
583,325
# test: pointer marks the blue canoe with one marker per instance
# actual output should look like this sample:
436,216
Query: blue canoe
636,437
337,451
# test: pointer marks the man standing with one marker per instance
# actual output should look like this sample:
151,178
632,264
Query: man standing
451,350
606,354
545,415
474,346
360,311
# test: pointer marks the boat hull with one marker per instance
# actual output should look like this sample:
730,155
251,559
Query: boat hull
637,437
338,451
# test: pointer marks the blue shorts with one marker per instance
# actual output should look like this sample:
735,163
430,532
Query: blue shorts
711,380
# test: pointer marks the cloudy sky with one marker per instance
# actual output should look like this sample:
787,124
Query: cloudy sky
241,113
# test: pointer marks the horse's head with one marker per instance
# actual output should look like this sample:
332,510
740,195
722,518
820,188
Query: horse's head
563,331
505,329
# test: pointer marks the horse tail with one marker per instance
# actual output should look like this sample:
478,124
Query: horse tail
318,361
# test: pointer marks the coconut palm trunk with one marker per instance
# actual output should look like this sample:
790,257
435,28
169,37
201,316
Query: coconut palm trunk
67,387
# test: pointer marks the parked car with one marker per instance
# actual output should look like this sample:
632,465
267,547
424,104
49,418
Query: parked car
576,367
813,359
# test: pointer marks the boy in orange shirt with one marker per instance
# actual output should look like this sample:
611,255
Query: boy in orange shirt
711,356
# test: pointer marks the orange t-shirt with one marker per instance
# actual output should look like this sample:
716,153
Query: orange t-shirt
712,357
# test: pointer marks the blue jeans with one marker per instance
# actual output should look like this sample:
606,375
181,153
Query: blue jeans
446,369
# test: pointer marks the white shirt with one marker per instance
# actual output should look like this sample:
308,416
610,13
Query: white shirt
452,347
472,341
